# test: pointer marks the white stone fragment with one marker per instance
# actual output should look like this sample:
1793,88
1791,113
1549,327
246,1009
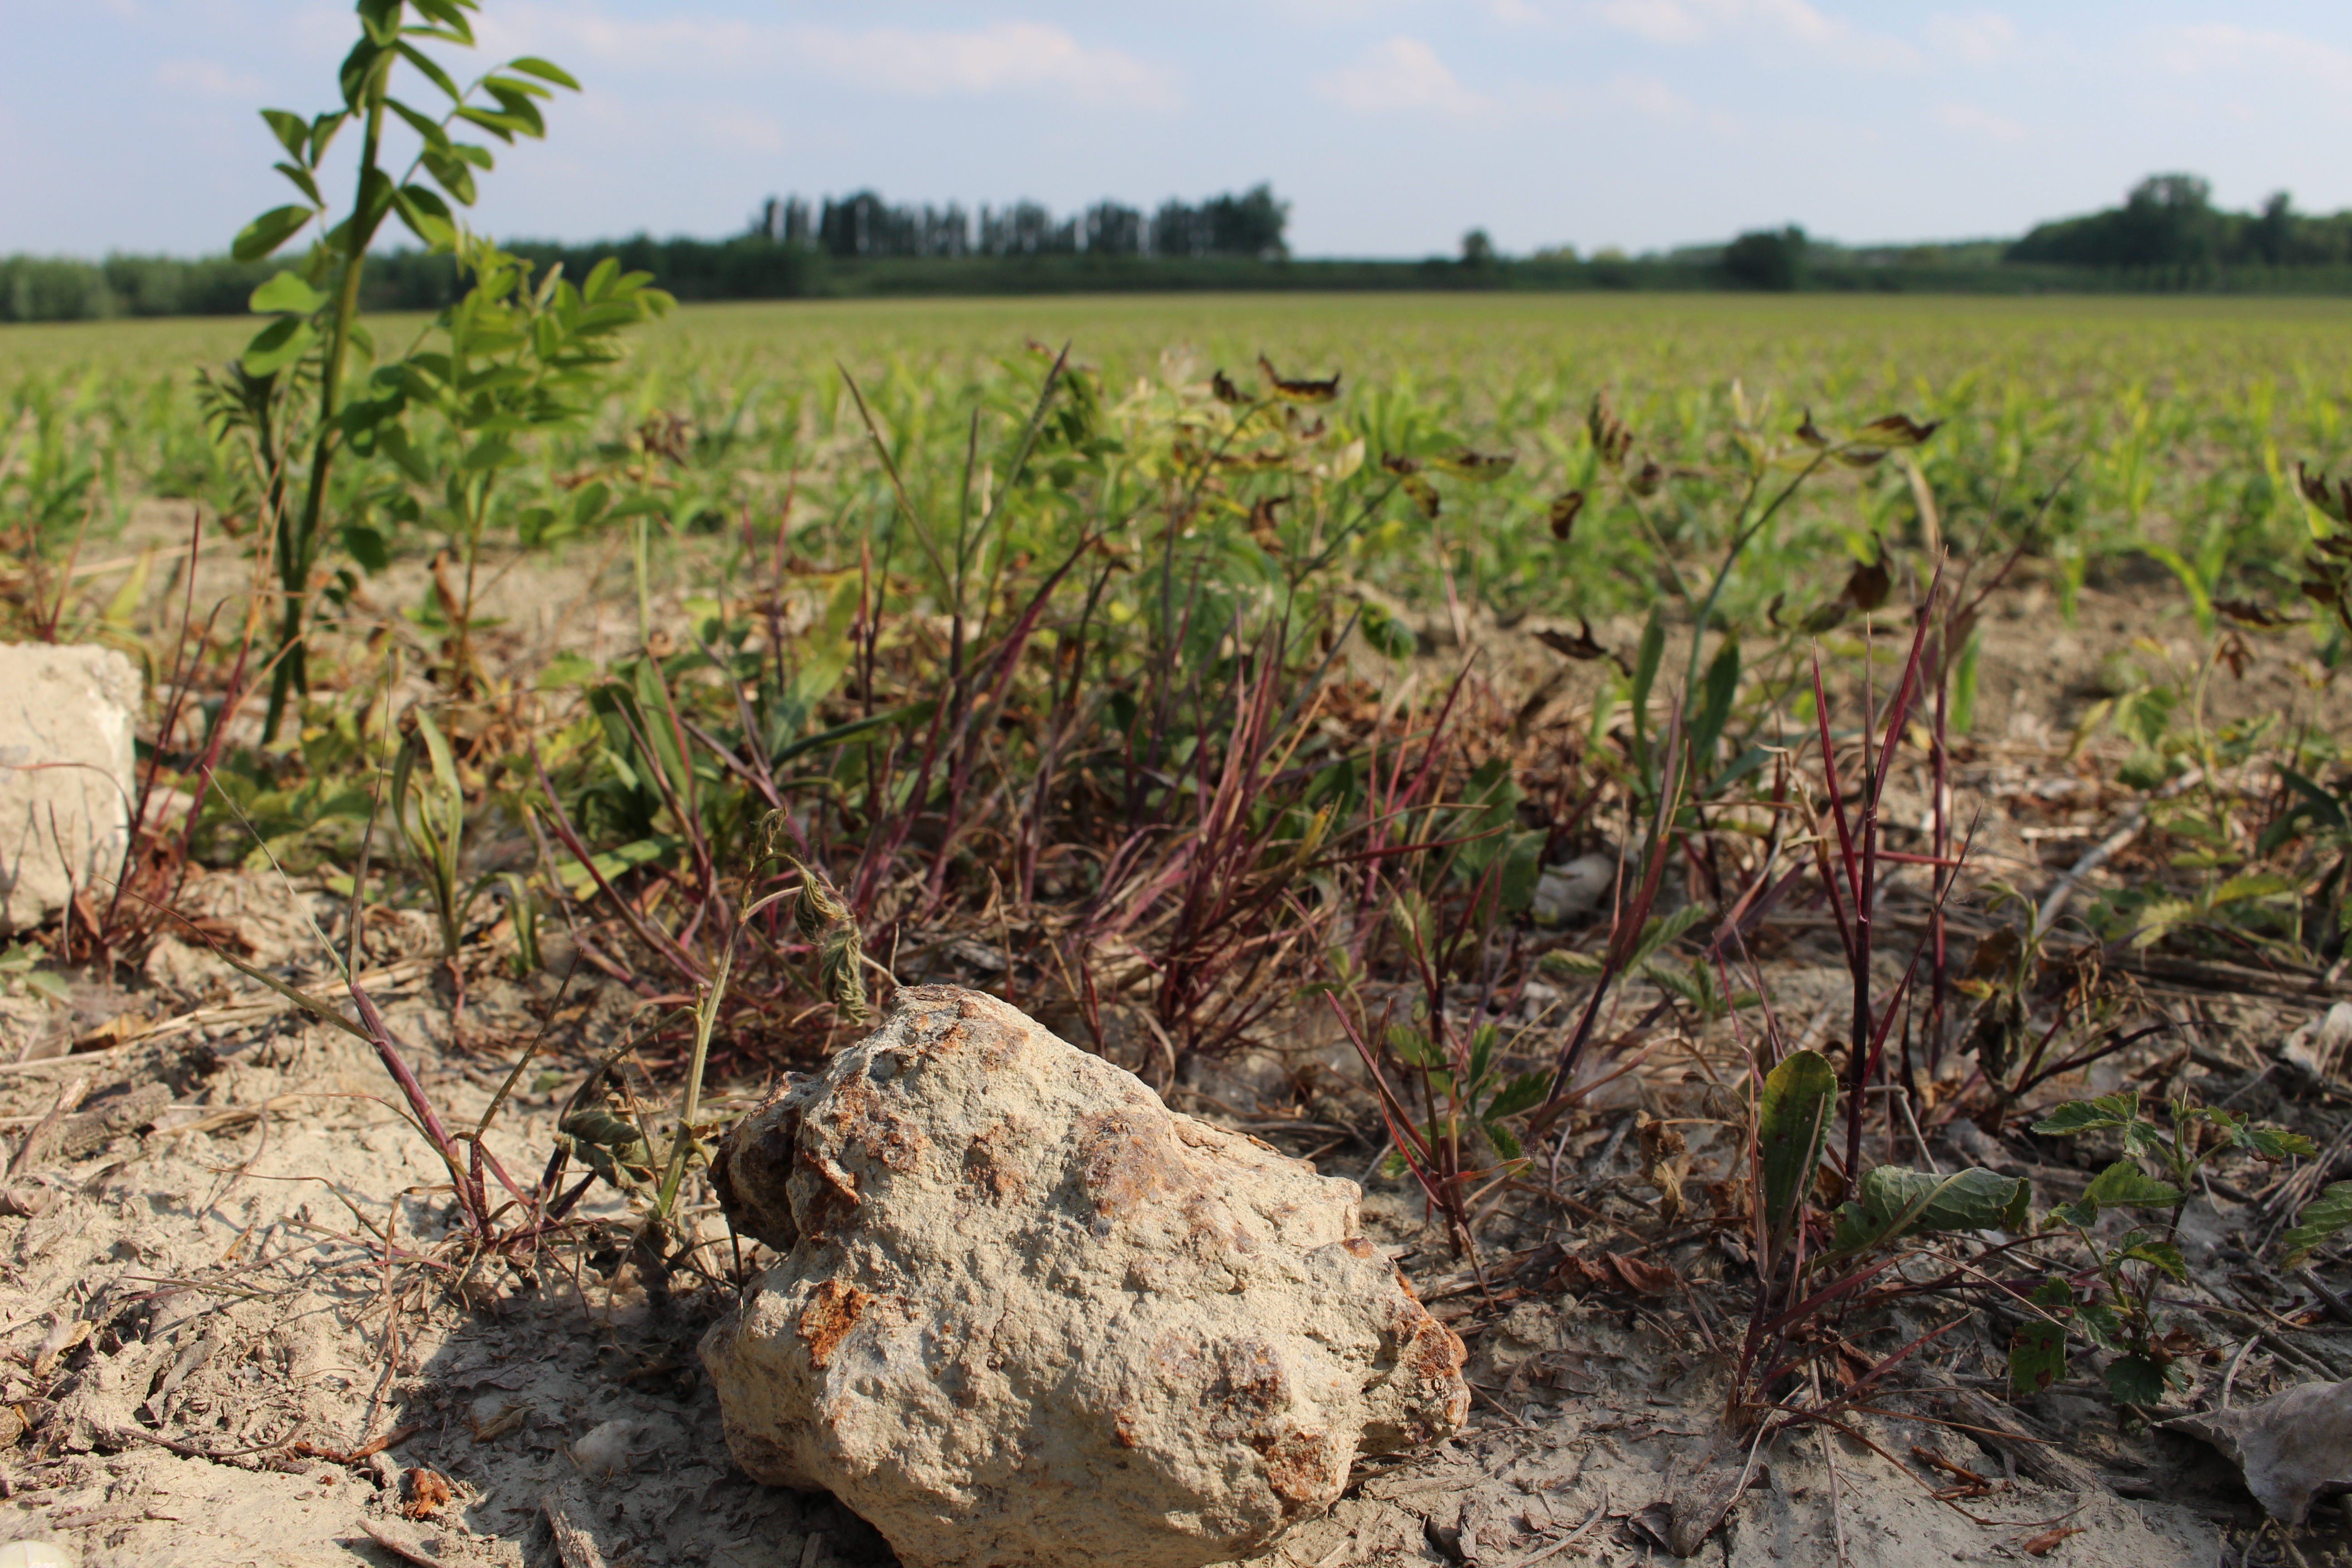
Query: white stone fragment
1028,1315
67,774
605,1451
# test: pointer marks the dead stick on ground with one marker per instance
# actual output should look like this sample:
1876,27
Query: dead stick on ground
30,1149
573,1544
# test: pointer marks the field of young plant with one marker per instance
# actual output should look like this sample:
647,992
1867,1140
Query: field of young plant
1814,817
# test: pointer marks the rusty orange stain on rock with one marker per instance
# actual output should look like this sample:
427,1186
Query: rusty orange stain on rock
833,1310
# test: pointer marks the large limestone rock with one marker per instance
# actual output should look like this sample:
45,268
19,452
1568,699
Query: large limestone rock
65,775
1028,1315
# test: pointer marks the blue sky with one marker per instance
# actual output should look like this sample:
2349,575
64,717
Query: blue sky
1390,125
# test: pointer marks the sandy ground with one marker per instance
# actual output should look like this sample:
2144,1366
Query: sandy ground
195,1326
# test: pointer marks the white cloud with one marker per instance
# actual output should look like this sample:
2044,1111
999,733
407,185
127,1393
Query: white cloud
1687,22
1001,58
1967,119
2219,47
1978,36
1402,73
208,78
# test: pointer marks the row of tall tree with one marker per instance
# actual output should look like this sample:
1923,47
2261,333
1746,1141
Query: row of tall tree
864,226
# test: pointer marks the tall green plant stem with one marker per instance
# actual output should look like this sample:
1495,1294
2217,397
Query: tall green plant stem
298,544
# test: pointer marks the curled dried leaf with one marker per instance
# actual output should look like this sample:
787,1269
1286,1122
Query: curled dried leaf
1299,391
1221,388
1562,514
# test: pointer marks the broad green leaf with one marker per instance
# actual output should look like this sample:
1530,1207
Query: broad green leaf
2124,1186
426,216
432,71
2325,1216
265,234
531,65
1716,692
2274,1142
286,292
293,132
301,179
277,345
436,139
1791,1124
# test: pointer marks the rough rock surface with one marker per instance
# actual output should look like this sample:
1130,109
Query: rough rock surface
65,773
1028,1315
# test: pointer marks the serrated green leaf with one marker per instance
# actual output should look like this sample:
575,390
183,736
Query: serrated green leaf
2088,1115
2037,1355
2136,1380
1522,1092
1505,1142
1895,1202
2161,1255
2324,1218
2274,1142
2124,1186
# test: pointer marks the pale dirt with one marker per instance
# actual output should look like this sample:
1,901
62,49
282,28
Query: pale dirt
231,1314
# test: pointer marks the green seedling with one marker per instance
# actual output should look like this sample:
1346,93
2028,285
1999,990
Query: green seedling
2119,1314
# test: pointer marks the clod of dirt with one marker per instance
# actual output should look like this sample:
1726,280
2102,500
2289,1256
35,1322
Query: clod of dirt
2295,1448
1029,1315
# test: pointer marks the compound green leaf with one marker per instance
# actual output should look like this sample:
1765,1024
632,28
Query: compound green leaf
277,345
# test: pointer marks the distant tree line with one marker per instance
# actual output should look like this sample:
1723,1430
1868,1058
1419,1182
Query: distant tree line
2166,235
2169,224
864,227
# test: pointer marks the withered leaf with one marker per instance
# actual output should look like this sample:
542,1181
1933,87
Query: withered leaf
1860,457
1221,388
1825,618
2338,505
1897,430
1868,587
1299,391
1810,435
1562,515
1464,463
1398,463
1642,1278
1582,646
1996,953
1424,494
2041,1545
1648,480
2247,613
1610,437
1262,522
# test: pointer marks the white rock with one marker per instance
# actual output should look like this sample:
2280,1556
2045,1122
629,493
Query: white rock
1028,1315
67,774
1578,889
605,1451
2322,1048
